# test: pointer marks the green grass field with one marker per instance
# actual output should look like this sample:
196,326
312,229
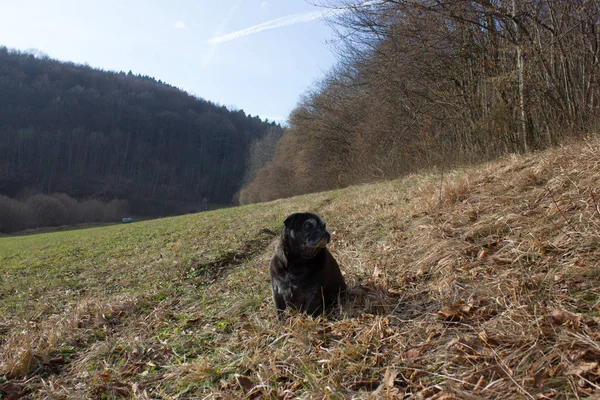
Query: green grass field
482,283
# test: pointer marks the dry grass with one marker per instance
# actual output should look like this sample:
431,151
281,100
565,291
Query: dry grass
483,284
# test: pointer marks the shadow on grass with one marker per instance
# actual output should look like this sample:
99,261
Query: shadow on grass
206,273
375,300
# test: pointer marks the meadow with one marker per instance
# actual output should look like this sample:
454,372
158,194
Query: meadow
479,283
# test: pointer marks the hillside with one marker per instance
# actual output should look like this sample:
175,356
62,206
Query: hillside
479,283
105,135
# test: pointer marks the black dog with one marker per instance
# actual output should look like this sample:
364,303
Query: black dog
304,274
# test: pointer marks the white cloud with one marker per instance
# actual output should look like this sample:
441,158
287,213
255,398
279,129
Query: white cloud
179,25
264,5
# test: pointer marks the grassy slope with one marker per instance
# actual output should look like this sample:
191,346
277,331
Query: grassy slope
485,286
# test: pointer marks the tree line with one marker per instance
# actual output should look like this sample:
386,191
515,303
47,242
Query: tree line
56,209
103,135
422,84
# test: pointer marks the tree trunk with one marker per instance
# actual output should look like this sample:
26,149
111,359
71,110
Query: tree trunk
521,79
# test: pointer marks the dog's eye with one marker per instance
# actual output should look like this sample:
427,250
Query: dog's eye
307,225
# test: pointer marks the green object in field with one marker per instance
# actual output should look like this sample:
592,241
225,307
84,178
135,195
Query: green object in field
127,220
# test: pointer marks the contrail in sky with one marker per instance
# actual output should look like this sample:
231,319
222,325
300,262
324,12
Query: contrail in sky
213,48
276,23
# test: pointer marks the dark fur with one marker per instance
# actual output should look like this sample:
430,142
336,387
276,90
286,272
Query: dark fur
304,274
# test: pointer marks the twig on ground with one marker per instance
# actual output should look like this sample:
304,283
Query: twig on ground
597,206
561,212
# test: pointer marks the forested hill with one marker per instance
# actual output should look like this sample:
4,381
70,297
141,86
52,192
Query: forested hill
97,134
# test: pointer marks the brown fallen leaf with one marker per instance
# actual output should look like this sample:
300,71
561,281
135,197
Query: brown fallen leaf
120,389
583,368
456,311
463,395
57,360
442,395
324,331
586,392
486,312
412,353
257,392
244,382
547,395
368,384
561,317
435,328
389,378
540,378
376,270
11,391
105,376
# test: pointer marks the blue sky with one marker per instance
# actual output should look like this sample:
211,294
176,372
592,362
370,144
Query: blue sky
255,55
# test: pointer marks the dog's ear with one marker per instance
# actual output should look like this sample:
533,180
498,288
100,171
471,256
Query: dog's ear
289,221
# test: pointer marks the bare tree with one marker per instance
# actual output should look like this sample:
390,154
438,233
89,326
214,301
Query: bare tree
425,83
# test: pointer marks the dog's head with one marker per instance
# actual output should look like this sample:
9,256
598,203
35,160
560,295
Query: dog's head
304,234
